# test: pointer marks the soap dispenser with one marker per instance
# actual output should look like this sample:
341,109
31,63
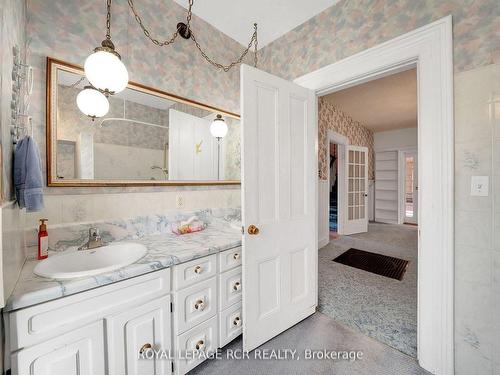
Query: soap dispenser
43,240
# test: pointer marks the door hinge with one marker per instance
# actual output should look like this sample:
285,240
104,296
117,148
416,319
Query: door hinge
172,367
171,307
242,229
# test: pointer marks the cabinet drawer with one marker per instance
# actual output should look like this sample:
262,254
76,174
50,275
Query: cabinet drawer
230,288
189,273
38,323
135,330
230,259
202,337
195,304
230,324
79,352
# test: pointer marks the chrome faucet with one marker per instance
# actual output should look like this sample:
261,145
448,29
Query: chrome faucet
94,241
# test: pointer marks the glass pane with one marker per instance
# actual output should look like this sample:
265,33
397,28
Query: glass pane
362,184
351,184
356,213
361,212
362,173
362,158
356,186
351,156
358,170
351,170
357,157
351,213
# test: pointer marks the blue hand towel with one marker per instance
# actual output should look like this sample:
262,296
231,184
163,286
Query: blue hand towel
28,180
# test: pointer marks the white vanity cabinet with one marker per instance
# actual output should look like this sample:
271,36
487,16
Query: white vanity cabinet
133,332
79,352
194,305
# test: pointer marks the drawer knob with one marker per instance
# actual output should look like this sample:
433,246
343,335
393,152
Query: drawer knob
237,321
198,269
199,305
145,347
200,345
236,256
237,286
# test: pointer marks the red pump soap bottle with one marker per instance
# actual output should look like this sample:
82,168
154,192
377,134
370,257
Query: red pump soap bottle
43,240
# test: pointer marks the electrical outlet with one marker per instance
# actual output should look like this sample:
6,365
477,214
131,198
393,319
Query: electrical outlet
179,201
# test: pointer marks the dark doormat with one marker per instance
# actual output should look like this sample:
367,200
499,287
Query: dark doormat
383,265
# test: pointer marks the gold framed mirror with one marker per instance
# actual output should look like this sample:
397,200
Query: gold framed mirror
148,137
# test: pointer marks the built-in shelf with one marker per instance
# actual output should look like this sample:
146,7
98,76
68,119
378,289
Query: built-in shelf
386,187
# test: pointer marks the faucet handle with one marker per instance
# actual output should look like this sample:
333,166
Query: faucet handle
94,233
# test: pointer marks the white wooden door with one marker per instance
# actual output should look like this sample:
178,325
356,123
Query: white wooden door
279,187
356,214
192,152
139,329
79,352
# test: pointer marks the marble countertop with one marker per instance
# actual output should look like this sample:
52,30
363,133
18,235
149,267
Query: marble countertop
164,250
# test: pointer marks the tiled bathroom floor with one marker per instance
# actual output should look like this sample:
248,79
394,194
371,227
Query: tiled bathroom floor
317,332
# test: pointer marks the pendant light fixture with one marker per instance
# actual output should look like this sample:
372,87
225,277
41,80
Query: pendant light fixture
92,102
104,68
218,129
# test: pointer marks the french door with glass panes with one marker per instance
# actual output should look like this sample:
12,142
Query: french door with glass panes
356,210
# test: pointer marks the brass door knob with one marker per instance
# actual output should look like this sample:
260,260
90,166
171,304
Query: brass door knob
237,321
198,269
253,230
236,256
145,347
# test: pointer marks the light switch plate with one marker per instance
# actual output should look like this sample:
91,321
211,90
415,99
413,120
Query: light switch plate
479,186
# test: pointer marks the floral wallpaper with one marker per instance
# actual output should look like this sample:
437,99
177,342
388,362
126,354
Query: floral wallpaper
352,26
332,118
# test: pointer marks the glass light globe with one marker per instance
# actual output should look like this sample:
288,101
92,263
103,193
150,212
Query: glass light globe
105,71
92,102
218,129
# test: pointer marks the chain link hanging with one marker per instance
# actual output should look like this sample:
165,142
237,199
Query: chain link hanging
188,32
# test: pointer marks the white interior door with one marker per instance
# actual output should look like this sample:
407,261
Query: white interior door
356,213
279,189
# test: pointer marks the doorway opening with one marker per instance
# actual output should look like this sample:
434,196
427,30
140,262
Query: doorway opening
379,120
333,211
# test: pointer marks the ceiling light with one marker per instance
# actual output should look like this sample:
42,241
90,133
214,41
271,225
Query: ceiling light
92,102
104,68
218,129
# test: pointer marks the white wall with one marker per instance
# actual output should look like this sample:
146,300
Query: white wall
395,139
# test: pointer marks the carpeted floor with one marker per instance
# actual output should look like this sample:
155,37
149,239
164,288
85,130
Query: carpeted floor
382,308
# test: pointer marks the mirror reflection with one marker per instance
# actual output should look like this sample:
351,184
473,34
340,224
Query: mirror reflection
144,136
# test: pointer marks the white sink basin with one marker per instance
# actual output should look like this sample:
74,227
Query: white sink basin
90,262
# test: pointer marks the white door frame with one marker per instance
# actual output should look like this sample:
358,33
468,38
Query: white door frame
430,48
341,141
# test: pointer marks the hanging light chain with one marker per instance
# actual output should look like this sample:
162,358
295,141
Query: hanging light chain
108,20
147,33
226,68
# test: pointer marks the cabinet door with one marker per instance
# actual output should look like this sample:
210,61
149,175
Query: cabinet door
142,327
80,352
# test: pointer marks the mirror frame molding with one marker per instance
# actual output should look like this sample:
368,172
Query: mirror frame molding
51,153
